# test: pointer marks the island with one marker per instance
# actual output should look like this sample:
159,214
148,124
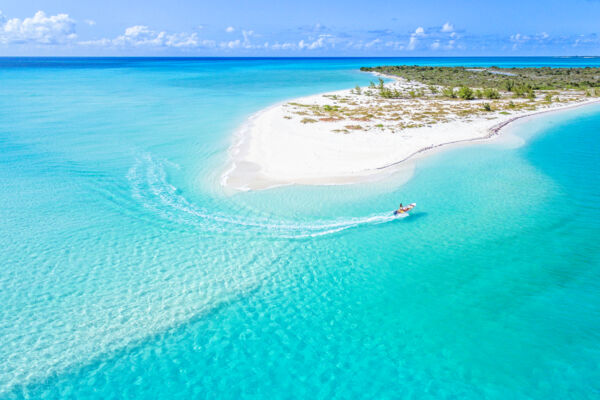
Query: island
356,134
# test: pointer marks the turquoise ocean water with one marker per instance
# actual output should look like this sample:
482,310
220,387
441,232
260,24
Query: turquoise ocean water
127,272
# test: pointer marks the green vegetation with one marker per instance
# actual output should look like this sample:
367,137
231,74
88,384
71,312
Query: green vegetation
329,108
466,93
443,94
353,127
449,92
520,81
491,93
388,93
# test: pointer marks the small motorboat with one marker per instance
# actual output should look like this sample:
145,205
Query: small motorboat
405,209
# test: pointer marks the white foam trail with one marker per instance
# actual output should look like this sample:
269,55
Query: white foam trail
373,220
150,186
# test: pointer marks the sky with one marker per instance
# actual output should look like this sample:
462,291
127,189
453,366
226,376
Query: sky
304,28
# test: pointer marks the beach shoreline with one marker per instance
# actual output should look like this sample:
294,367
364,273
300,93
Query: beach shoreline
269,151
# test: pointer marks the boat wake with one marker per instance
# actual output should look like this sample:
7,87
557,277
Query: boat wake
150,186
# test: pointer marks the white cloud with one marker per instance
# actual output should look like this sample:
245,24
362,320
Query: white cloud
141,35
283,46
232,44
519,38
229,29
414,38
98,42
318,43
412,43
435,45
542,39
372,43
447,27
90,22
244,44
361,44
395,45
246,35
40,28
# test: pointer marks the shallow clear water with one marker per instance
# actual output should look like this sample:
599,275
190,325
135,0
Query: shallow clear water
128,273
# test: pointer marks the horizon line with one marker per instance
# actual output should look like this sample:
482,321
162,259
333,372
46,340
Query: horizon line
296,57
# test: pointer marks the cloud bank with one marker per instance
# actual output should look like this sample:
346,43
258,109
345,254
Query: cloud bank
40,29
60,30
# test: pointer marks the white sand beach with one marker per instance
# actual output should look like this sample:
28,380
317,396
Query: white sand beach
277,146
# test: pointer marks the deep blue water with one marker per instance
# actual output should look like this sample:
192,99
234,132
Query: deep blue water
127,272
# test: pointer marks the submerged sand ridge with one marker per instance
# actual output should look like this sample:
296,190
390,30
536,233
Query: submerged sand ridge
352,135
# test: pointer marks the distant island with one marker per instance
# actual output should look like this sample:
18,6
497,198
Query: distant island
347,135
521,82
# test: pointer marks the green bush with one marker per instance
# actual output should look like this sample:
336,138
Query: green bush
487,107
491,93
449,92
386,93
465,93
518,91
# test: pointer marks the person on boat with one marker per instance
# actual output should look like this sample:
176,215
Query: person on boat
400,209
